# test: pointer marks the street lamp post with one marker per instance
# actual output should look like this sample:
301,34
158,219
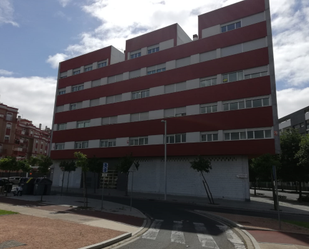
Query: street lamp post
165,169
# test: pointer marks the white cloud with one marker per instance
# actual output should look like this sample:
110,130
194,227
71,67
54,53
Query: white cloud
5,72
291,100
55,59
34,97
6,13
64,3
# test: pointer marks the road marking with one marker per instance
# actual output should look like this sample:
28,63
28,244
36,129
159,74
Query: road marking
232,237
177,236
205,239
152,233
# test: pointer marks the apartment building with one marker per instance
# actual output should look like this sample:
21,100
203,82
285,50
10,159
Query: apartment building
30,140
215,93
8,122
297,120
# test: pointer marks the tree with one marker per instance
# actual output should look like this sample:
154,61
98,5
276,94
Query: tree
203,165
291,170
303,156
44,164
125,165
95,166
62,166
24,165
9,164
82,162
69,167
262,167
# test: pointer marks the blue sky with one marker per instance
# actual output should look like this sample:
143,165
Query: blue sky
37,35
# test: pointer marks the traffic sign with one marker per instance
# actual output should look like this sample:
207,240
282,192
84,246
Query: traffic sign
105,168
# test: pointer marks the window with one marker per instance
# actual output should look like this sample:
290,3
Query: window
208,108
8,125
108,143
59,108
77,88
109,120
156,69
113,99
83,124
135,54
63,75
175,112
237,135
140,94
255,75
62,126
87,68
230,77
6,138
176,138
138,141
139,116
153,49
76,71
209,137
102,64
59,146
61,91
75,106
81,145
231,26
208,81
9,116
94,102
134,74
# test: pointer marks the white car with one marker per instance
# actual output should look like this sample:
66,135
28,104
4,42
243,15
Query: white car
17,190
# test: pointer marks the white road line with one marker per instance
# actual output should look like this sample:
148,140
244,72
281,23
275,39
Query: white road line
153,231
205,239
177,236
232,237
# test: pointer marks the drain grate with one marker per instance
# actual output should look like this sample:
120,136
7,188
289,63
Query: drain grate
11,244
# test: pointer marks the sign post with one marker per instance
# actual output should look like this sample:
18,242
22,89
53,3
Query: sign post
104,174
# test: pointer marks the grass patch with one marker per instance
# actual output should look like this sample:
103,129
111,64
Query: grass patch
3,212
298,223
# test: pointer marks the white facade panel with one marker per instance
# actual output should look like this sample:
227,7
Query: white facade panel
183,62
255,44
104,81
193,109
94,143
285,124
224,179
86,103
71,125
235,49
155,139
195,59
96,122
170,65
87,85
260,17
126,96
214,30
166,44
103,101
68,89
156,114
192,137
122,141
125,76
69,145
123,118
192,84
256,70
154,91
66,107
211,55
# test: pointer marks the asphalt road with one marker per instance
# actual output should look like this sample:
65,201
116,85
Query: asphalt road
175,226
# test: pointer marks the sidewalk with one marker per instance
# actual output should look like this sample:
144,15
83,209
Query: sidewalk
131,221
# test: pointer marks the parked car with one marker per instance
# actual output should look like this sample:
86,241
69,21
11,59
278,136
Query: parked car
14,179
6,185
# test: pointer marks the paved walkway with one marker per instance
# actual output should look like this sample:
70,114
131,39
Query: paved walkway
132,221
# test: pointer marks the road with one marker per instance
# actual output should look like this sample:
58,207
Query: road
174,226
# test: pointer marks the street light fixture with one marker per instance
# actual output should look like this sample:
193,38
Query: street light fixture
165,169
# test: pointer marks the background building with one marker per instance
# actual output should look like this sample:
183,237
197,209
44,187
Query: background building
216,93
30,140
298,120
8,122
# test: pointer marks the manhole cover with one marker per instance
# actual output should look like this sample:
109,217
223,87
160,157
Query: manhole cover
10,244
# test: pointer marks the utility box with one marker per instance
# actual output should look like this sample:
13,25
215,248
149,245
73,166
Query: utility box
42,186
27,183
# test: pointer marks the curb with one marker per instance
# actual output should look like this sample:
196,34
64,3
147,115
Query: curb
248,239
108,242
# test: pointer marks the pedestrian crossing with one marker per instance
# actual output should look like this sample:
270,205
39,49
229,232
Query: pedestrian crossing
178,234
